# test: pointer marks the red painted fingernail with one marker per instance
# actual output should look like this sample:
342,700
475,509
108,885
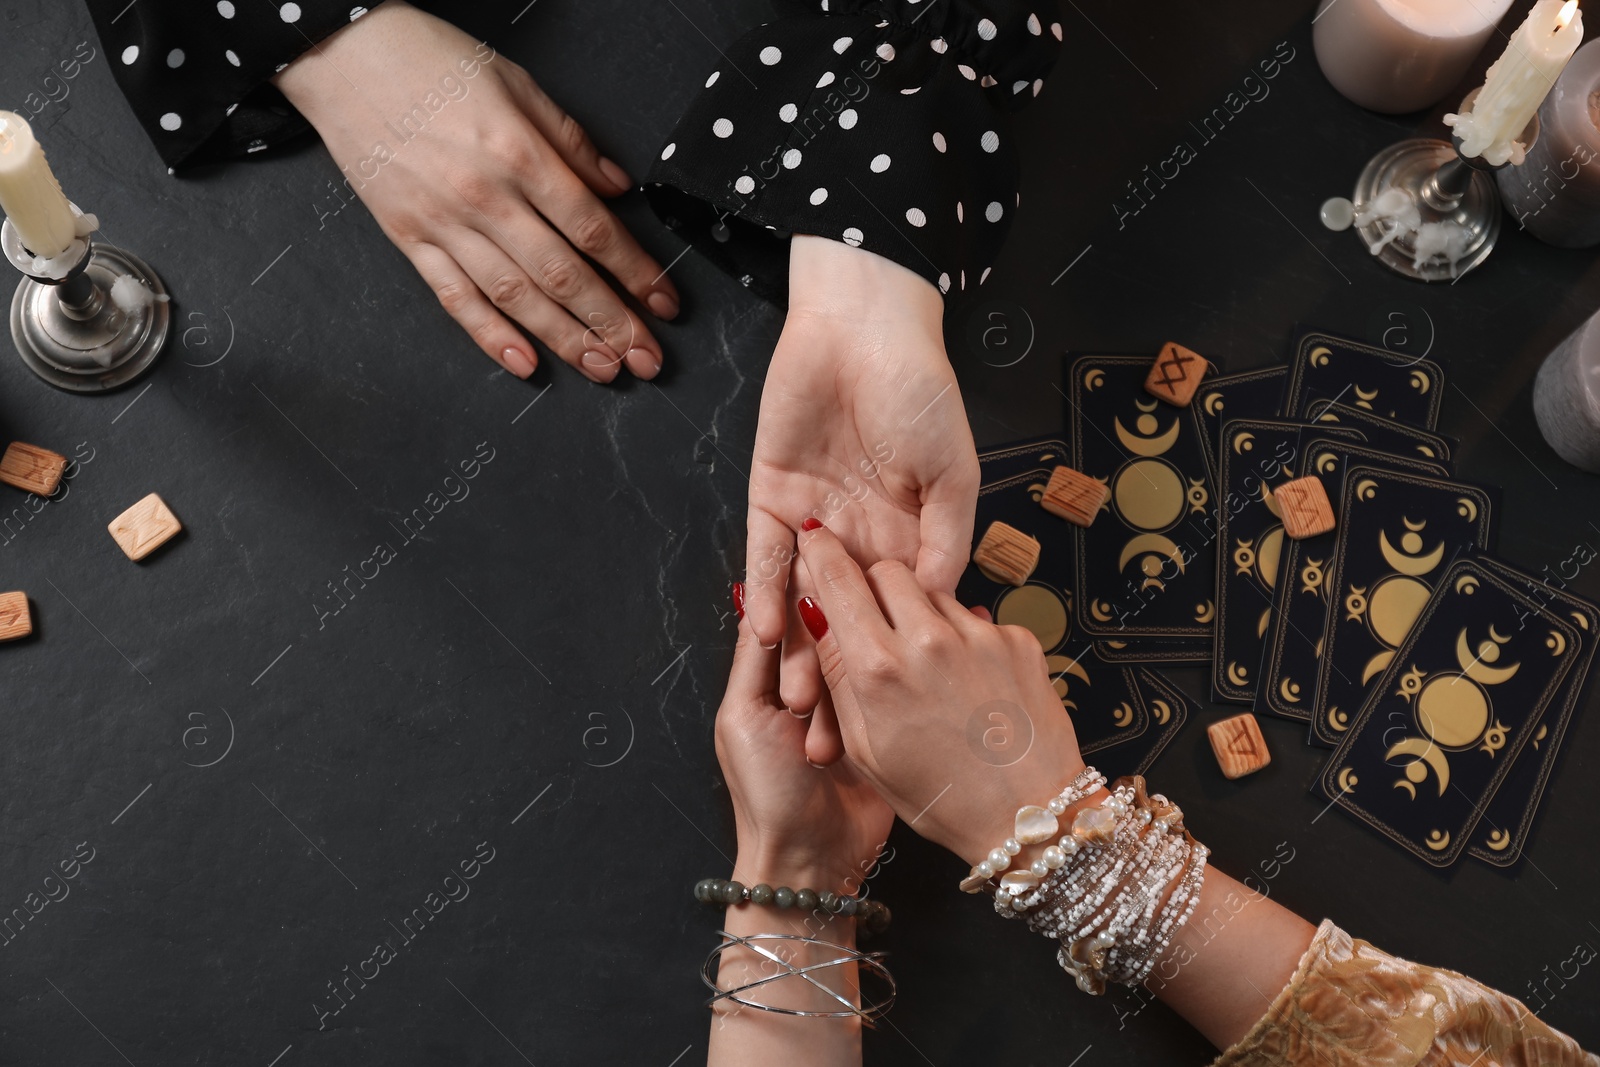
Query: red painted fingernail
811,524
812,616
738,598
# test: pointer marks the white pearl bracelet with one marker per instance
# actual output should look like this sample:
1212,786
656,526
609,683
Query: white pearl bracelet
1034,825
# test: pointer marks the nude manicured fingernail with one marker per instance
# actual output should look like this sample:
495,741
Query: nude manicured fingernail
616,174
517,363
598,364
663,305
645,363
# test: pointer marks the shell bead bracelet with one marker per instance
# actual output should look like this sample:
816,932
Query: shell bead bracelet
1035,825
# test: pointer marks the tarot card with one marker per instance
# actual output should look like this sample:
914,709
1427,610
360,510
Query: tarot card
1384,434
1103,700
1403,388
1461,696
1503,832
1168,650
1256,454
1168,711
1251,394
1037,453
1290,658
1397,534
1144,568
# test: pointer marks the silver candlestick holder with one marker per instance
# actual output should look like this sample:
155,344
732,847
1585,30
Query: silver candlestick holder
1428,212
71,329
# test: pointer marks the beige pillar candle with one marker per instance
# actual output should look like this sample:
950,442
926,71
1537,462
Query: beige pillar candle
1396,56
29,193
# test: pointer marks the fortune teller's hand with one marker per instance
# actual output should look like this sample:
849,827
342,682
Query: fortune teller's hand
920,685
862,428
492,199
798,825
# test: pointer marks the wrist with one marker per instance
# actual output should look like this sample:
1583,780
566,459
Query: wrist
777,867
831,278
314,81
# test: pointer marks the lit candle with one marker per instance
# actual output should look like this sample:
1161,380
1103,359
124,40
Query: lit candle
29,193
1519,81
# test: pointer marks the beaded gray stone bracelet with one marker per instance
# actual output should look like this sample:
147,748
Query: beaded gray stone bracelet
872,916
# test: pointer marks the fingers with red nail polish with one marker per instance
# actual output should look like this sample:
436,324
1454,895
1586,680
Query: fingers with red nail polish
738,599
811,615
810,524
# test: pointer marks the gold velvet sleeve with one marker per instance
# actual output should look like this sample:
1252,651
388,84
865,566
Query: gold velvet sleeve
1352,1005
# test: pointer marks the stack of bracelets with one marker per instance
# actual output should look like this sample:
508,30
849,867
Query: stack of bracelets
1114,889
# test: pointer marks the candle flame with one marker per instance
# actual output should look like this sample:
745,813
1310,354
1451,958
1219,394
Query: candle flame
1564,17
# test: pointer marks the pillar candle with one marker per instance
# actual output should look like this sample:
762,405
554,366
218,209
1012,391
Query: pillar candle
1555,194
1396,56
1519,81
29,193
1566,397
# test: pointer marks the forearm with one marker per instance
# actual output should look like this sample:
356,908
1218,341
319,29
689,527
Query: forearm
1228,962
743,1035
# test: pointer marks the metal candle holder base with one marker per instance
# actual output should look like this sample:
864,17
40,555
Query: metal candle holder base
1446,187
67,328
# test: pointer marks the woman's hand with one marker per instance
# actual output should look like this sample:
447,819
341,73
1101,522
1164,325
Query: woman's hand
919,684
798,825
862,428
487,186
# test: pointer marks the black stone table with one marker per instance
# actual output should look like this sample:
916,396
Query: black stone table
268,787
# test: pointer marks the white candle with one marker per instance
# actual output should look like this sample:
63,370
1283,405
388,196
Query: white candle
29,193
1519,81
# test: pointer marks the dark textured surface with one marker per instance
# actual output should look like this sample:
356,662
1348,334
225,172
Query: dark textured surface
571,612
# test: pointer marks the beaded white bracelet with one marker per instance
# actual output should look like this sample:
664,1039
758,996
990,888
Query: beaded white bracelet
1128,877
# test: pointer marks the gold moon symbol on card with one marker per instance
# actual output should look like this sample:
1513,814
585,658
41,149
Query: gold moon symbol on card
1409,557
1364,398
1261,625
1393,606
1289,691
1212,403
1326,462
1243,442
1347,780
1100,610
1327,416
1093,380
1337,720
1204,612
1438,840
1452,710
1366,489
1468,508
1499,840
1037,490
1475,664
1466,585
1162,709
1426,450
1064,667
1149,494
1238,675
1426,756
1152,543
1037,609
1147,443
1376,665
1556,643
1319,356
1420,381
1267,556
1122,715
1581,619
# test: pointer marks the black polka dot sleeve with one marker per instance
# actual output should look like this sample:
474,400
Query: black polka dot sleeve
197,73
872,122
